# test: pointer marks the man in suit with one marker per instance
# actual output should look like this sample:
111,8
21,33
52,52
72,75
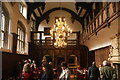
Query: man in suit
107,72
93,72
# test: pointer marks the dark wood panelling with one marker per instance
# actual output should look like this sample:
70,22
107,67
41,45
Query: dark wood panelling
91,58
101,55
14,43
9,64
38,50
84,56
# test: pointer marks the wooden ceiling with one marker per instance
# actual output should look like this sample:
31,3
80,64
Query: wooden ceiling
42,10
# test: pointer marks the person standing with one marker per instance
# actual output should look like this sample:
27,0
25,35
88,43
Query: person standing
107,72
47,72
27,71
115,74
65,74
93,72
100,66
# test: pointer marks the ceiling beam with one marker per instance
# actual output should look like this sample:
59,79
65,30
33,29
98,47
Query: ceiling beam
46,15
39,11
80,11
34,14
87,6
32,7
85,14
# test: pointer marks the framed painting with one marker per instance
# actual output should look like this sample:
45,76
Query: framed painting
47,31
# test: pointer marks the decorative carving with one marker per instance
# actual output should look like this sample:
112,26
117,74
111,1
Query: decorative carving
114,50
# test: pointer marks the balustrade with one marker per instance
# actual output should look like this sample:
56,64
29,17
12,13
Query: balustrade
37,39
107,14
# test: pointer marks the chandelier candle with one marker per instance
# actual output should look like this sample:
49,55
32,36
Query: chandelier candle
60,31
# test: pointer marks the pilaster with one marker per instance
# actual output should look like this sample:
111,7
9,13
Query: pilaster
14,42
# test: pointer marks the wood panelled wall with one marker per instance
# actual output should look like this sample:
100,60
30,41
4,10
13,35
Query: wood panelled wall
9,63
39,47
101,55
81,52
91,58
84,56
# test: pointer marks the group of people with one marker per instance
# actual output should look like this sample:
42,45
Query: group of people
48,72
29,71
81,73
106,72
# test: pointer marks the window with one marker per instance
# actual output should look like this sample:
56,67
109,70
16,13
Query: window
5,29
21,38
2,29
23,10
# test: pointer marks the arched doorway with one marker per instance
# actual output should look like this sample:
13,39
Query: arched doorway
72,61
47,58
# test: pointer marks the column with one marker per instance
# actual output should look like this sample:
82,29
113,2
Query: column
14,42
114,56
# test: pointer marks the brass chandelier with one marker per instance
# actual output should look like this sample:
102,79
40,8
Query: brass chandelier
60,32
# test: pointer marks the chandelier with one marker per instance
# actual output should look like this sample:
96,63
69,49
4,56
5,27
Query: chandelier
60,32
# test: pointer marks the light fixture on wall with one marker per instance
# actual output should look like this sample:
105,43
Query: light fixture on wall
60,32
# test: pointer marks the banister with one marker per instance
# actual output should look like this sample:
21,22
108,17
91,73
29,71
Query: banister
95,28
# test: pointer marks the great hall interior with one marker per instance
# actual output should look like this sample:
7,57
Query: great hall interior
75,32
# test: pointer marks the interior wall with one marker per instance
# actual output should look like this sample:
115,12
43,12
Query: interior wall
10,64
101,55
103,37
91,58
99,42
84,56
10,59
16,16
81,52
68,4
76,26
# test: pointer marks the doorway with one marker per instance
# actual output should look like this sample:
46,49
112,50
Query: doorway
47,58
59,61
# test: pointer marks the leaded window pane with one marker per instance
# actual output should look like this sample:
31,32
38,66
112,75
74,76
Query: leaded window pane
3,22
21,38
